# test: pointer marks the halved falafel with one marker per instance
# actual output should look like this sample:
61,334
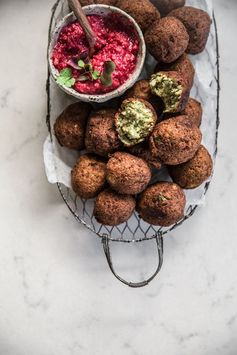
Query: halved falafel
165,6
112,209
175,141
172,88
167,39
88,176
197,23
70,125
183,65
193,111
101,136
194,172
162,204
127,174
143,12
134,121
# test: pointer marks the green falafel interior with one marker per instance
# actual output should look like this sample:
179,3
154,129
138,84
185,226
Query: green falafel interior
135,122
167,89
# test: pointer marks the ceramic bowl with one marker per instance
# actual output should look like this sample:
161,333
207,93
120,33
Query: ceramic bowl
101,10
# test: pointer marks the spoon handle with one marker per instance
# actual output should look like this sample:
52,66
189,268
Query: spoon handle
81,17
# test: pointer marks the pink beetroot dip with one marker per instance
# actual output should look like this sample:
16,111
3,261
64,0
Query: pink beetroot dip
117,40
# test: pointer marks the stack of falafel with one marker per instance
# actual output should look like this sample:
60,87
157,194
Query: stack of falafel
156,124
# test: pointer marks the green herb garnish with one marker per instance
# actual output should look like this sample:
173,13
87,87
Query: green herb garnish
65,78
106,77
82,78
95,75
162,198
158,139
86,72
81,63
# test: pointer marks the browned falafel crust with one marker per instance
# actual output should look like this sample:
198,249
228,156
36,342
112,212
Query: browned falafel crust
143,12
101,135
127,174
112,209
175,141
88,176
193,111
141,90
193,173
142,151
183,65
70,126
165,6
162,204
167,39
197,23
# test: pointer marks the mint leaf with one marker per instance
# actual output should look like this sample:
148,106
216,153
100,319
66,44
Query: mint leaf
81,63
95,75
65,78
69,83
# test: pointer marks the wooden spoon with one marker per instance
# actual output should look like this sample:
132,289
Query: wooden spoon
81,17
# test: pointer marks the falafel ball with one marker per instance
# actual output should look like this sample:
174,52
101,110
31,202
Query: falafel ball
142,151
88,176
183,65
70,126
193,173
165,6
141,90
103,2
101,136
193,111
134,121
112,209
143,12
197,23
167,39
127,174
172,88
162,204
175,141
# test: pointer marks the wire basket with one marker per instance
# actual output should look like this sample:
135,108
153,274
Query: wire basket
135,230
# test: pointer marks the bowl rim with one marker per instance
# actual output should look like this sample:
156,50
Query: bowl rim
99,98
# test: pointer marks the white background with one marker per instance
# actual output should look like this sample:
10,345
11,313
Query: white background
57,296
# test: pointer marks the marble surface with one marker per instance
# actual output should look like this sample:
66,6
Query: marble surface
57,296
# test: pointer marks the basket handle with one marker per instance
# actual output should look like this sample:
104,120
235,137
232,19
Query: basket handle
159,244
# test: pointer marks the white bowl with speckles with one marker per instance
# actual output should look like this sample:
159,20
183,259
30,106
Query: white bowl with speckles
101,10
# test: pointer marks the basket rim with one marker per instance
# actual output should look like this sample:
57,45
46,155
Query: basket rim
192,208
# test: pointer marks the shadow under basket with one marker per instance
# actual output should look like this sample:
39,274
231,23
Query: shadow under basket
135,230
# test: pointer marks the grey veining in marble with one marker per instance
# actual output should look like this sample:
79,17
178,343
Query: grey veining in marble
57,296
